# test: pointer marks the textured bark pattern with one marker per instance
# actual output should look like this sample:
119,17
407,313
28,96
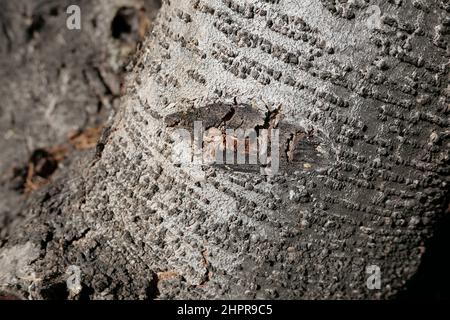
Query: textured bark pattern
363,116
56,82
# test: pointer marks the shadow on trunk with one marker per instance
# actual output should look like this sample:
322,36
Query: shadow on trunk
432,280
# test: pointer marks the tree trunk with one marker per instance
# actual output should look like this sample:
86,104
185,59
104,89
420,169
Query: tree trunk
362,108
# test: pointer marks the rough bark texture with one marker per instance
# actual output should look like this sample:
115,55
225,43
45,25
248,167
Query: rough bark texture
363,116
58,86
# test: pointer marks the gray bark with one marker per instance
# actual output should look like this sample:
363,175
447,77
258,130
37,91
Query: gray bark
363,120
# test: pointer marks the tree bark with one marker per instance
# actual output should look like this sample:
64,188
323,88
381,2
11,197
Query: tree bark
363,181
